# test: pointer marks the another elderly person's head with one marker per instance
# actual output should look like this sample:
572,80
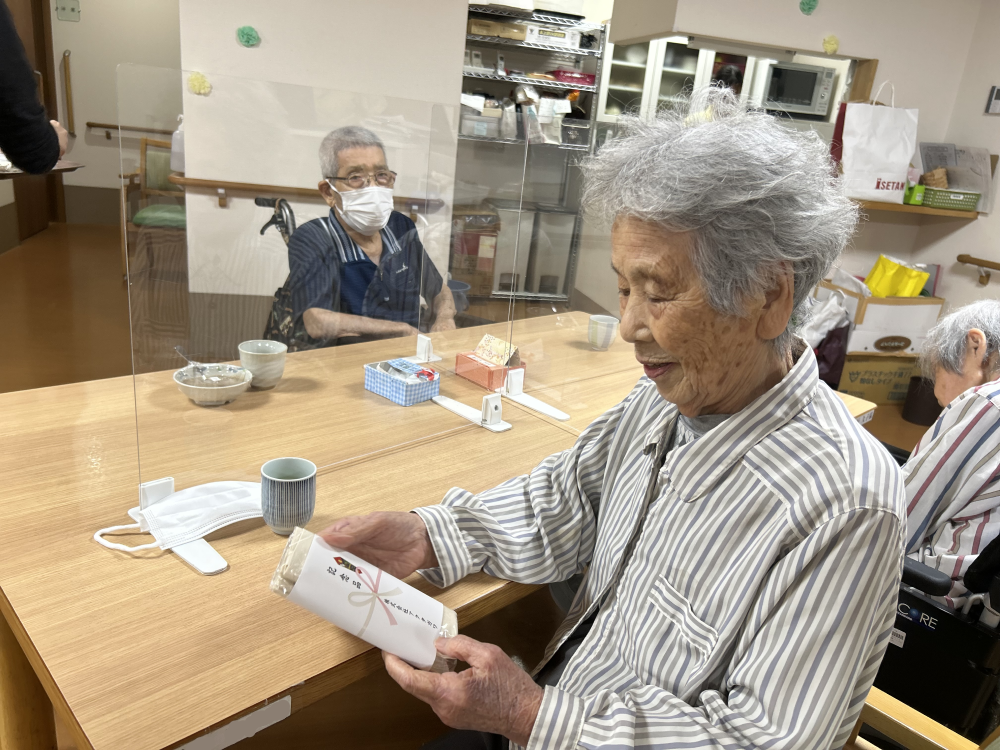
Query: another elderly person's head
963,350
353,158
723,220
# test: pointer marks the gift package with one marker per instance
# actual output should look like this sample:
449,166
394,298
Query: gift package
364,600
489,364
402,382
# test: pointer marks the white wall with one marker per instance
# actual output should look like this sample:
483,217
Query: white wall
939,241
894,32
109,32
394,66
950,95
6,192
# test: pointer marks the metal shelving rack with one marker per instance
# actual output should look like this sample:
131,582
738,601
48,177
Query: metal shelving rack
588,148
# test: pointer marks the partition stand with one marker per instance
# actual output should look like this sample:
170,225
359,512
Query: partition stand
490,416
425,351
513,388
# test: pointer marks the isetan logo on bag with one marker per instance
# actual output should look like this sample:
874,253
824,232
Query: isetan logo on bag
881,184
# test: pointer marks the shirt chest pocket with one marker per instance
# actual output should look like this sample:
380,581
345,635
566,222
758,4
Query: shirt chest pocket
673,644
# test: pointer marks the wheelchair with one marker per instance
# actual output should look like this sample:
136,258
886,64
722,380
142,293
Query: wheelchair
944,662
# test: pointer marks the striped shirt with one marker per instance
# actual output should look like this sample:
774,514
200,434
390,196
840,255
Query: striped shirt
745,590
953,486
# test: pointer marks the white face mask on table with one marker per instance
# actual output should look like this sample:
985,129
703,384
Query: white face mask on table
182,517
366,210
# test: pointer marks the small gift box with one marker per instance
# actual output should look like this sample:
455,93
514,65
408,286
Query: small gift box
489,363
402,382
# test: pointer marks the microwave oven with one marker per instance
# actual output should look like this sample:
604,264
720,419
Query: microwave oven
799,89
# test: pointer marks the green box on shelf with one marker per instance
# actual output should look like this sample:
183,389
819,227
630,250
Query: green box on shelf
914,195
956,200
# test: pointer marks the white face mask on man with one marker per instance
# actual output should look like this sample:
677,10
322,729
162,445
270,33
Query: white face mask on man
366,210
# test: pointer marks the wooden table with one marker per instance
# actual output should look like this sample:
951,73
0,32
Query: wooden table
61,166
142,652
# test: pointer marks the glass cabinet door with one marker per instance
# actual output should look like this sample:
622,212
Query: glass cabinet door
626,78
677,72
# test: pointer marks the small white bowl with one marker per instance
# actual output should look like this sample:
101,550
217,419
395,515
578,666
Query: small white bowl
212,385
265,359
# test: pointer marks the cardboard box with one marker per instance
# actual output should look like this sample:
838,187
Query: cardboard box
880,379
516,31
886,325
479,371
482,27
565,37
399,391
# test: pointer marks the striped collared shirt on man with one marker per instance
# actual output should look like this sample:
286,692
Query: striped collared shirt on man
953,486
746,589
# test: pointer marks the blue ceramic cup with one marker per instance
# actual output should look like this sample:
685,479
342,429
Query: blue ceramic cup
287,493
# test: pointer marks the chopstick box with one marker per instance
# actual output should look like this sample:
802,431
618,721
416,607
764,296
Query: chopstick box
399,391
490,376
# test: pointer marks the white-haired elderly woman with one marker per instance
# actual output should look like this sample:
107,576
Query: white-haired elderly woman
953,476
742,535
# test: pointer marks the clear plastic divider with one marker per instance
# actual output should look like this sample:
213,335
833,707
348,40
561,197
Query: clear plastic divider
564,311
246,243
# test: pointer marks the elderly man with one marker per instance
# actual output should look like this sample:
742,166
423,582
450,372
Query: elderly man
953,475
361,273
742,535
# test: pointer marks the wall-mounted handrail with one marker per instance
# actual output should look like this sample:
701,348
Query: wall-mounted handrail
68,83
107,127
984,266
409,206
978,262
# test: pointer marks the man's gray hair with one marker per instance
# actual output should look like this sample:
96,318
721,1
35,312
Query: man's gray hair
945,342
349,136
752,192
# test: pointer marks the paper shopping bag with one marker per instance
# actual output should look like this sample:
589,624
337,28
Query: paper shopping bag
878,144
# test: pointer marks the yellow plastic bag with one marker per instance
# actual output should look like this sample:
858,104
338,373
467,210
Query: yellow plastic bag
890,278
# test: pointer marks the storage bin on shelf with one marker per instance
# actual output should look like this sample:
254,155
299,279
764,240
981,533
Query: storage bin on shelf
956,200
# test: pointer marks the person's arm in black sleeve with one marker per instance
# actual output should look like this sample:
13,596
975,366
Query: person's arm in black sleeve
27,137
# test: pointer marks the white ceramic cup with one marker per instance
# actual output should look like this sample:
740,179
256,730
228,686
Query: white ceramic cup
265,359
602,331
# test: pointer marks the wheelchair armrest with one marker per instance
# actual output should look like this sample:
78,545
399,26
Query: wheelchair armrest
925,578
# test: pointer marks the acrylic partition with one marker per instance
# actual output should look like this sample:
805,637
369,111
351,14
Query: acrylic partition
238,245
564,303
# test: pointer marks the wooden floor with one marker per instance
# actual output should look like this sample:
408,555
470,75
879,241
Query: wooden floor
63,308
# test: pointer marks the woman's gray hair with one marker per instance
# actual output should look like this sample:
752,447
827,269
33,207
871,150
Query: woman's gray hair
752,192
349,136
945,342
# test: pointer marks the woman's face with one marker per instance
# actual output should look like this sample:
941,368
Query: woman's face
701,360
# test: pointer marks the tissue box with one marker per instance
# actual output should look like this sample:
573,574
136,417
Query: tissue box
399,391
479,371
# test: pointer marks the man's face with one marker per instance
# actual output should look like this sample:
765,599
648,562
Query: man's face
363,161
701,360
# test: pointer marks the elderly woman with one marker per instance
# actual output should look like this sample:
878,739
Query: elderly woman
742,535
953,476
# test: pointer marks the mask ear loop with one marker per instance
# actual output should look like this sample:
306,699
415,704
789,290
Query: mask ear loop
123,547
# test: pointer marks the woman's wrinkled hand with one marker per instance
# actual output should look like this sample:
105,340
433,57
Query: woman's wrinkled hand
493,695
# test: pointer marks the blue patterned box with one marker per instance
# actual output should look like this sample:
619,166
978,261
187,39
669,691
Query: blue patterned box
398,391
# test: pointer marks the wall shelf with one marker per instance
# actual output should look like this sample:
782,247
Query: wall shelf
917,210
531,45
541,83
536,16
519,142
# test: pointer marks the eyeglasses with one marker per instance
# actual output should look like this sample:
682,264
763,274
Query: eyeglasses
358,180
